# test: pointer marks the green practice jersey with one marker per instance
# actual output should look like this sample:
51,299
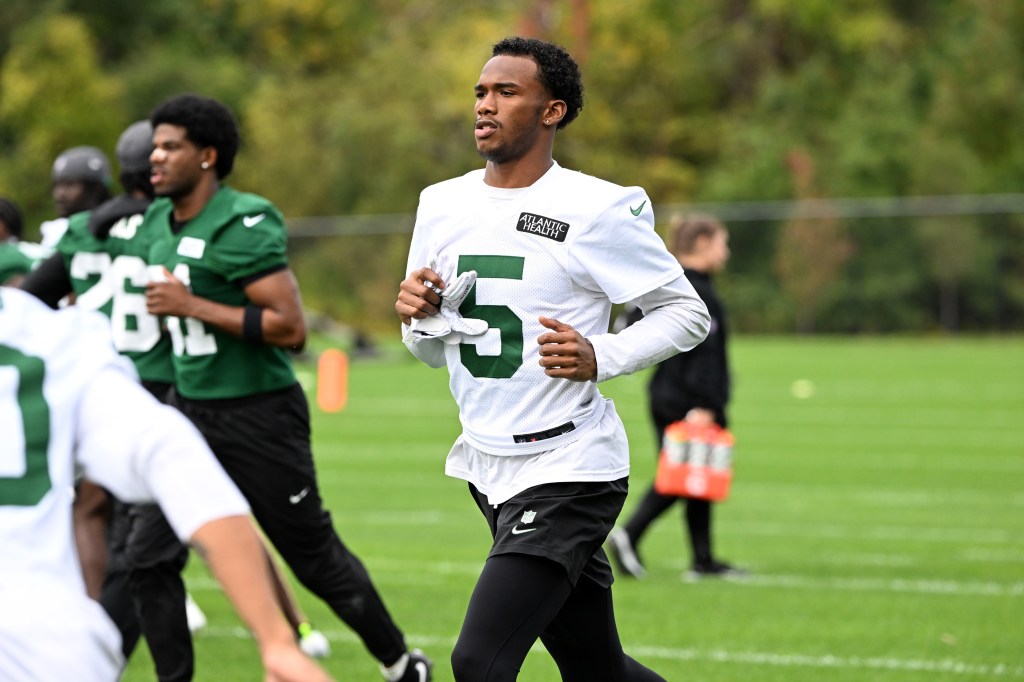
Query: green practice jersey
18,258
109,275
236,237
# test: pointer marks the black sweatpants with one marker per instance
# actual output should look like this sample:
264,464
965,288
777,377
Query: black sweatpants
155,558
115,595
547,577
654,504
263,443
519,598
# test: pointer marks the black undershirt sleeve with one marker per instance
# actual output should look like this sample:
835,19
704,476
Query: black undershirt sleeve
49,282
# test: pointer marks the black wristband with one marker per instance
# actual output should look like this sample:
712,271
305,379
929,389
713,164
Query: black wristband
252,324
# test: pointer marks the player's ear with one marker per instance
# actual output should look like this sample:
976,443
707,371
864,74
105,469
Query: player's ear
554,112
208,157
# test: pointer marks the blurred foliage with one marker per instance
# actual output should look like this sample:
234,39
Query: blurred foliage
352,108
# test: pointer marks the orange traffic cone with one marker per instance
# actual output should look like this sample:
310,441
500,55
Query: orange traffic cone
332,380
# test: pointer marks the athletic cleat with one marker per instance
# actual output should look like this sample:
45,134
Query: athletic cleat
417,668
624,554
194,614
313,642
714,569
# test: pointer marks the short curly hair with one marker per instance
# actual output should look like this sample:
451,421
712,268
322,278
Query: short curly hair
207,122
558,71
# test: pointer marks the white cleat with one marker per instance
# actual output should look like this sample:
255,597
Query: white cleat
624,554
314,644
195,615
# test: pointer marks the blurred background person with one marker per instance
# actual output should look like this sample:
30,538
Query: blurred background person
81,181
17,258
694,386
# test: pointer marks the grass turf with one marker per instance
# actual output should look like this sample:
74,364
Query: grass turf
881,518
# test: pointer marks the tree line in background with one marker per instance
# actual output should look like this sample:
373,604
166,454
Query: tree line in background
353,107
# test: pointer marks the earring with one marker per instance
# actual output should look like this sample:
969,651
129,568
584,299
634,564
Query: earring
204,165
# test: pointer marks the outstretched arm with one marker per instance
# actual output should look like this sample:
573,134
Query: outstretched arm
146,451
232,548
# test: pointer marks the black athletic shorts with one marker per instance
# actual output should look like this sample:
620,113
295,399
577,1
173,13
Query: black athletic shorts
565,522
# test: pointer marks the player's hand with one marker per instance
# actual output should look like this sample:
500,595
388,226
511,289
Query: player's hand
288,664
700,416
168,296
416,298
565,353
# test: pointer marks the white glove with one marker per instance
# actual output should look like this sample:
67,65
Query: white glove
448,324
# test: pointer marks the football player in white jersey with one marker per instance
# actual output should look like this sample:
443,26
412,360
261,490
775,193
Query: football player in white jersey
70,404
513,270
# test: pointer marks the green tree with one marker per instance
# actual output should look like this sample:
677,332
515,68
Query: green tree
55,95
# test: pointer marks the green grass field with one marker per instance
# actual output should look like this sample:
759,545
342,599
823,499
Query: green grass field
882,520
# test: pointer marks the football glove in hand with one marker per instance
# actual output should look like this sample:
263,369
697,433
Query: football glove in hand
448,324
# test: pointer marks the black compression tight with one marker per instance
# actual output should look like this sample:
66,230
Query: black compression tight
519,598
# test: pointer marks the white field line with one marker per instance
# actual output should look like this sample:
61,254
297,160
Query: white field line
827,661
971,536
391,572
900,586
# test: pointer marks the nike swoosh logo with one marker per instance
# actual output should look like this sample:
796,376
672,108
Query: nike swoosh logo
517,531
251,220
421,671
636,211
297,497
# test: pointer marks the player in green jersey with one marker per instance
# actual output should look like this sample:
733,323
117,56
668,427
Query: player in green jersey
17,258
101,260
234,311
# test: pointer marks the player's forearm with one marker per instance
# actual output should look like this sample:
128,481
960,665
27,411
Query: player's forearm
235,554
264,324
675,320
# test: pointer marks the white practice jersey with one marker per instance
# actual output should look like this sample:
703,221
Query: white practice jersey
70,404
567,247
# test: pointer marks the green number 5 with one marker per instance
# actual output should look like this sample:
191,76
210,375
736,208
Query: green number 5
28,488
500,317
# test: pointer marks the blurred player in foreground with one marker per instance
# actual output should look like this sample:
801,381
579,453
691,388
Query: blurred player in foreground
70,404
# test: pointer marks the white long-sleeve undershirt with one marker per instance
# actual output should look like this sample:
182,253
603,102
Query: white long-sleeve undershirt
675,320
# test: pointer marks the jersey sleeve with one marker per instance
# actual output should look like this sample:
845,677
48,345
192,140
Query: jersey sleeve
620,254
142,450
254,241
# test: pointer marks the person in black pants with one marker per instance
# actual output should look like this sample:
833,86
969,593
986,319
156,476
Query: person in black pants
693,386
220,276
